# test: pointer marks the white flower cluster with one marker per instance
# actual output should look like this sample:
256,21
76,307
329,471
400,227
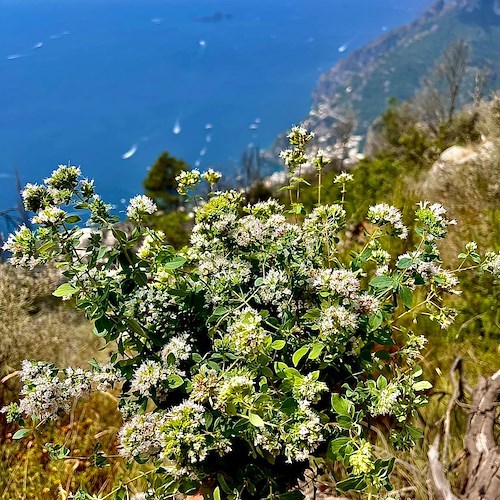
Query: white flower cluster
445,317
48,391
49,216
341,282
380,256
143,435
429,271
140,206
343,178
211,176
413,347
386,400
249,230
205,385
222,273
274,288
431,216
245,335
236,388
105,376
187,180
307,390
321,159
336,319
387,215
64,177
155,309
22,245
150,377
178,347
491,263
299,135
303,436
151,245
324,220
56,190
364,303
362,460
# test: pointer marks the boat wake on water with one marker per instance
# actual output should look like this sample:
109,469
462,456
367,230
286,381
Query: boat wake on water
177,127
131,152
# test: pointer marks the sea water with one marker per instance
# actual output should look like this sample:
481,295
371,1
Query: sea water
110,84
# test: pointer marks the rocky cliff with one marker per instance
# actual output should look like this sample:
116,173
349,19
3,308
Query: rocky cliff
394,64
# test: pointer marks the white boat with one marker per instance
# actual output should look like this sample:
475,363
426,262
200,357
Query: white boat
253,126
342,48
14,56
131,152
38,45
202,43
208,126
177,127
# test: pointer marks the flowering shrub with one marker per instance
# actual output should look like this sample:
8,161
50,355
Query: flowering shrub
257,349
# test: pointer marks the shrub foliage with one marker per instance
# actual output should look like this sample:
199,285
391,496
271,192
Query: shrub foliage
257,349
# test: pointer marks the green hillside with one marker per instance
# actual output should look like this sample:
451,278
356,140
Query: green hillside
394,64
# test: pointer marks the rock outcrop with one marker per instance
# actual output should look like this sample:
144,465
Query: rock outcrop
394,64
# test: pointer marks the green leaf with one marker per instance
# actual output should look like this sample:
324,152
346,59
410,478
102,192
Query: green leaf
21,433
217,494
297,208
223,483
73,219
312,314
414,432
353,483
375,320
335,446
381,382
277,345
316,350
340,405
220,311
407,296
64,290
46,246
299,354
174,381
102,326
462,255
177,262
422,385
382,282
255,420
404,263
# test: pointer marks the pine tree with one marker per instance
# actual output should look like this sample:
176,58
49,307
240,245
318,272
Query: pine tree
160,183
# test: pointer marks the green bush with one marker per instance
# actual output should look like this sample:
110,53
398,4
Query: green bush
259,349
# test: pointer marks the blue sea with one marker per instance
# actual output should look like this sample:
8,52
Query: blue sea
110,84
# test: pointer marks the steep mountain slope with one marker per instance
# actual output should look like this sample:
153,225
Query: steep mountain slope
394,64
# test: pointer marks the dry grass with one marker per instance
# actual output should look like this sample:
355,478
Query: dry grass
36,325
26,471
